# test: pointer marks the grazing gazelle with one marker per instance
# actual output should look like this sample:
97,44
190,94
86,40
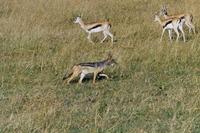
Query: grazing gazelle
187,16
96,27
84,69
171,24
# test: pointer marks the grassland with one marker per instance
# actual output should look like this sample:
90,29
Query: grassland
155,87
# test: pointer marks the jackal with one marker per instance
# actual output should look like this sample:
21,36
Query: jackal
84,69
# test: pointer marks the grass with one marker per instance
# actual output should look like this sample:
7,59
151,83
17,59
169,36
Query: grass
154,87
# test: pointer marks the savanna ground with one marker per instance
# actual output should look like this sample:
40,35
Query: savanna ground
155,87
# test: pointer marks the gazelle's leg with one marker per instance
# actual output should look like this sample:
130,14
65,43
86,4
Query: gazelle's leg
181,29
104,75
192,27
177,33
105,36
110,34
89,38
187,24
162,35
170,35
81,78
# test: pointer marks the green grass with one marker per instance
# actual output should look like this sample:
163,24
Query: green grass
154,88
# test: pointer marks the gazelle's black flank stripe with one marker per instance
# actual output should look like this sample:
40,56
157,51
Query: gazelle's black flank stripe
182,17
169,22
98,25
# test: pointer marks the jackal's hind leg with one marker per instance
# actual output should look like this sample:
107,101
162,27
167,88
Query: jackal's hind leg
75,74
81,78
66,77
94,78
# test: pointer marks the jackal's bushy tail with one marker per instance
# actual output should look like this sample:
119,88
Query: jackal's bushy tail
67,76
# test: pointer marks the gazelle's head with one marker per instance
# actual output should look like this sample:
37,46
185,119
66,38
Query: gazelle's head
163,10
78,19
156,18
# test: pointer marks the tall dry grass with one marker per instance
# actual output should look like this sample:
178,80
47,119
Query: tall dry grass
154,87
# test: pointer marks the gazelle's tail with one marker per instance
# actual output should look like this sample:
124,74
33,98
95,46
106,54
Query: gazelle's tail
191,18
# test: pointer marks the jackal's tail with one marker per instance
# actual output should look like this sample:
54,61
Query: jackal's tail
67,76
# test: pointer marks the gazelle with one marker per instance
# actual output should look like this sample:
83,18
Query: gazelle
187,16
96,27
171,24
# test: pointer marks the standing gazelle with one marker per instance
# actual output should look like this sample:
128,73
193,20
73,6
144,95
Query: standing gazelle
171,24
187,16
96,27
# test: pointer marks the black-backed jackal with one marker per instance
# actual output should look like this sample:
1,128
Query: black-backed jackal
84,69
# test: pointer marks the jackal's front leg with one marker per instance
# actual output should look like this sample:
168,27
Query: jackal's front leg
104,75
94,78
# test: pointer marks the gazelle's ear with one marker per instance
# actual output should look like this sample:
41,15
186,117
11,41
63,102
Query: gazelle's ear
156,13
165,7
162,7
81,15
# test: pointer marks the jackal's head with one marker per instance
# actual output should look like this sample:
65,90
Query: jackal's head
110,61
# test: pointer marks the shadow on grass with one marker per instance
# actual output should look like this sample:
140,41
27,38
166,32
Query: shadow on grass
89,78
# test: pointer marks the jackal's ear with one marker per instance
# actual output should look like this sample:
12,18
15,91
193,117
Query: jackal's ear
109,56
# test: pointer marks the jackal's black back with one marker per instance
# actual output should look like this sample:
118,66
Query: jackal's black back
93,64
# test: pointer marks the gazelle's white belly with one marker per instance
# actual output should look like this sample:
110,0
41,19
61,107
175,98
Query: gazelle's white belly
98,29
169,26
